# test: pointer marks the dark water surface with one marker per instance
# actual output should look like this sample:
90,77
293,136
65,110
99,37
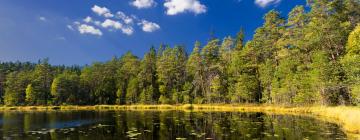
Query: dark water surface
163,125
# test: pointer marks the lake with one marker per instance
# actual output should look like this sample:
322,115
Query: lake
163,125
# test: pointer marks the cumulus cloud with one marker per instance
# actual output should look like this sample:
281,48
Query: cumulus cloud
42,18
108,23
88,19
102,11
264,3
88,29
112,24
148,26
128,30
174,7
141,4
126,19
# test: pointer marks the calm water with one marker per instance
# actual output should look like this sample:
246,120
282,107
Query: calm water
167,125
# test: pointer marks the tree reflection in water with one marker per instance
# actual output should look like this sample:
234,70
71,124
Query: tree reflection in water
162,125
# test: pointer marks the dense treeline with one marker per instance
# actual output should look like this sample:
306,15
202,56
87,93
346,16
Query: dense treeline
310,57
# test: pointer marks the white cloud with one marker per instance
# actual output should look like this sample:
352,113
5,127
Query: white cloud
141,4
102,11
118,22
148,26
174,7
42,18
264,3
126,19
108,23
70,27
88,19
128,30
112,24
88,29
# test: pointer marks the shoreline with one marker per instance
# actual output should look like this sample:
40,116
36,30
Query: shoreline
345,116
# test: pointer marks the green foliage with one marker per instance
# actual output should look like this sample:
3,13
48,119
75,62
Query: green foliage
171,71
215,89
127,82
195,71
146,96
30,94
148,78
16,85
351,63
99,82
164,100
41,83
64,88
245,89
2,86
210,55
132,92
239,41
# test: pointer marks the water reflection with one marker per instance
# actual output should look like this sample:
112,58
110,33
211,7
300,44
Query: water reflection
167,125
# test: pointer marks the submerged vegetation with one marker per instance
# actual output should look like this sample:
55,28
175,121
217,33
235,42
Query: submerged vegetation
164,125
346,117
309,58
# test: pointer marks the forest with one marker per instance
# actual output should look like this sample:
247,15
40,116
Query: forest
309,57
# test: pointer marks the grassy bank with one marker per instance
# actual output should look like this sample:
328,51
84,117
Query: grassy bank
347,117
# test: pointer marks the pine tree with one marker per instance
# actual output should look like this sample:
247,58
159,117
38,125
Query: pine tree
132,91
240,40
211,62
148,77
265,45
16,83
41,83
195,71
245,82
128,71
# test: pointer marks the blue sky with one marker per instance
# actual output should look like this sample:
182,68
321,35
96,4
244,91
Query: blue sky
84,31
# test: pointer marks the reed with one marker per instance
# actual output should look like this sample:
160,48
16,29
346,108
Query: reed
347,117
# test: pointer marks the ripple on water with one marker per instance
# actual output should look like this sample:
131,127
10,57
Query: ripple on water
93,125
